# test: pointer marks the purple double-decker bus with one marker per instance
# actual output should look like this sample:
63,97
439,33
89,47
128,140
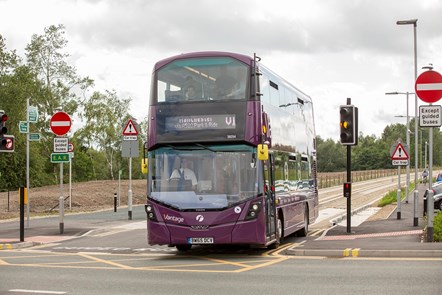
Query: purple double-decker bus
231,153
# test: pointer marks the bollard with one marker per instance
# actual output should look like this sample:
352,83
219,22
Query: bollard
22,214
115,202
61,207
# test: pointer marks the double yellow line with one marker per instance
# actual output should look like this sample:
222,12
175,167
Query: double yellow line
351,252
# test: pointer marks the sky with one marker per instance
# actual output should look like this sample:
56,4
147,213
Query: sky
330,49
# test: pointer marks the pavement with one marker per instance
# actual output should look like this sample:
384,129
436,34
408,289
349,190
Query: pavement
389,237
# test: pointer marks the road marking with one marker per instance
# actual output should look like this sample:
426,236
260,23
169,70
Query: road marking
105,261
374,235
36,291
355,252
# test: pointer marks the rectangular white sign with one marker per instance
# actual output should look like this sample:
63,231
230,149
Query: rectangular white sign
61,144
430,116
399,162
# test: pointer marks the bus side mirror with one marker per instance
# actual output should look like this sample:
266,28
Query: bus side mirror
144,166
263,152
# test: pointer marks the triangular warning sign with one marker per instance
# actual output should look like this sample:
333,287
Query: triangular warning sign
130,128
399,153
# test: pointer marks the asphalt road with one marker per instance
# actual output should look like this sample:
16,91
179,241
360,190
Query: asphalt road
29,272
111,256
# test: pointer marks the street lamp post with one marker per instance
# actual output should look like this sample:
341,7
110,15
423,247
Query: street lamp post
408,141
416,192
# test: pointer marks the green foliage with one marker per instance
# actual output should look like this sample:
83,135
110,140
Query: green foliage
389,198
437,227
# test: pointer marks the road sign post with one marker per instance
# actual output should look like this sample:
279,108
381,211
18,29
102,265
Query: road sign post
130,135
399,157
60,125
428,87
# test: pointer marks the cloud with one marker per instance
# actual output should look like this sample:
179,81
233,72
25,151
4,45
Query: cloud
330,49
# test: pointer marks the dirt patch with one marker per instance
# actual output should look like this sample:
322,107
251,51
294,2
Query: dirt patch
384,213
86,197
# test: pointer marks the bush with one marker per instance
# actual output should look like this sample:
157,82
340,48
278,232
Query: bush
437,227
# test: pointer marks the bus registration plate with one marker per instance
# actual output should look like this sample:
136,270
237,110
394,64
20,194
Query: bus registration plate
200,240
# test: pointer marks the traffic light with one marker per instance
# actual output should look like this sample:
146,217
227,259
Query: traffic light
6,141
347,189
3,119
349,124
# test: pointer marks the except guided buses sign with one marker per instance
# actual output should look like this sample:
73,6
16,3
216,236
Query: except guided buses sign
430,116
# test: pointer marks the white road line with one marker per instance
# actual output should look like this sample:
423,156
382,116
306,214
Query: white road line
36,291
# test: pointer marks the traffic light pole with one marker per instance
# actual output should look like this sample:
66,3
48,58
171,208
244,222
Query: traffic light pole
349,197
349,136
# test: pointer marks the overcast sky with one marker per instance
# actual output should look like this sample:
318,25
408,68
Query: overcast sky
330,49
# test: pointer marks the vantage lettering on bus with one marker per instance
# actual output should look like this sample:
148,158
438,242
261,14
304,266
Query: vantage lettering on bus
179,123
173,218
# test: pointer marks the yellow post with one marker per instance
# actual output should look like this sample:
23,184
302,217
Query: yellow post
26,196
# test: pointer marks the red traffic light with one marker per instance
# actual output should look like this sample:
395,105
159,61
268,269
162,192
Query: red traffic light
3,118
347,189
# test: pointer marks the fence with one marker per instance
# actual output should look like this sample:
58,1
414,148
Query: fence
328,179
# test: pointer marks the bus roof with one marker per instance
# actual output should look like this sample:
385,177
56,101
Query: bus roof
241,57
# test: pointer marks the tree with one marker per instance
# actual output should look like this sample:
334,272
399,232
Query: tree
60,85
371,153
331,155
104,116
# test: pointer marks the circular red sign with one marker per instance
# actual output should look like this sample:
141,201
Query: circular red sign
9,144
60,123
428,86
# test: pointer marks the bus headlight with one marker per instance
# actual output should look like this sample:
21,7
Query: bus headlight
150,212
254,210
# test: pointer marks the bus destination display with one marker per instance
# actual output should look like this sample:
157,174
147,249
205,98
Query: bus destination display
215,122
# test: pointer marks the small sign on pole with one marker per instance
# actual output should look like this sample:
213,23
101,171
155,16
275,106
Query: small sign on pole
430,116
61,144
60,158
32,114
399,154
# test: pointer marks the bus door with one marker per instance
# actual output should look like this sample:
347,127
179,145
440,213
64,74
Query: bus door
270,202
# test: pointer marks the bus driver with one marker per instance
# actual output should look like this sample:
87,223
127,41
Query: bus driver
185,172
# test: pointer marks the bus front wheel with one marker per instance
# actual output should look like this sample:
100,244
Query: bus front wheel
183,248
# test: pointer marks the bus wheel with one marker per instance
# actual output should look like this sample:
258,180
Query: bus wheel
279,234
279,230
183,248
304,231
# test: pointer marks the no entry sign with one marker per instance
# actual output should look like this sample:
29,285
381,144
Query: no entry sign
60,123
429,86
